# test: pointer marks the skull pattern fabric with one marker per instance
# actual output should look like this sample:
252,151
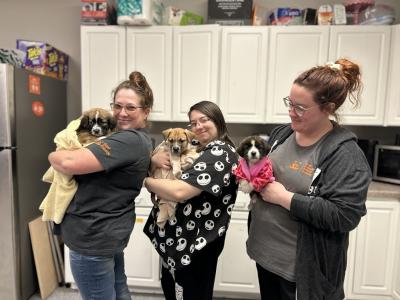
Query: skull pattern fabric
203,218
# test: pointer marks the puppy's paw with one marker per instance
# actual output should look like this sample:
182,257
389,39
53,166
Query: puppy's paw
177,173
245,186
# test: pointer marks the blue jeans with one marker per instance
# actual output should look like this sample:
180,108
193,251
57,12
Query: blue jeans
100,277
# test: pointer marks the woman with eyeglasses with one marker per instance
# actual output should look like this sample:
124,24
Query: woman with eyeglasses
299,226
99,221
190,243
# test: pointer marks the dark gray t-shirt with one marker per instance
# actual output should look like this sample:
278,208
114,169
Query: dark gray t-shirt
273,233
101,216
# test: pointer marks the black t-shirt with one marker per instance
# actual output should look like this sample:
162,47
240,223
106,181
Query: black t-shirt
201,219
101,215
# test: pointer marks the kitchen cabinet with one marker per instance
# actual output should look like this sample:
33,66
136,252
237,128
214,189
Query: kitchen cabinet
243,71
396,278
180,64
393,100
292,50
373,254
142,262
295,49
195,67
149,50
103,58
246,70
369,47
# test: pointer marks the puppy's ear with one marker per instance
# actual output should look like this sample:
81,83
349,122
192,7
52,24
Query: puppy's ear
84,123
112,122
166,133
189,134
240,149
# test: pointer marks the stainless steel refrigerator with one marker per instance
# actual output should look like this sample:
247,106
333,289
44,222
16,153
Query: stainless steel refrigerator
32,111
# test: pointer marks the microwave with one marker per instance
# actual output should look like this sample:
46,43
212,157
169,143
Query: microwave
387,164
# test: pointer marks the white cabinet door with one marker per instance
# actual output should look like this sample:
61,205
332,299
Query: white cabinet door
243,73
195,67
369,47
396,277
236,272
293,49
149,51
373,257
142,266
103,63
393,101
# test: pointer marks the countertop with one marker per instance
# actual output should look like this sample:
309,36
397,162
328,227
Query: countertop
384,190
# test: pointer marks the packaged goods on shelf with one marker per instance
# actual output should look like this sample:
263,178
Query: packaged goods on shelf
177,16
44,59
309,16
325,15
230,12
94,12
13,57
260,15
285,16
139,12
339,14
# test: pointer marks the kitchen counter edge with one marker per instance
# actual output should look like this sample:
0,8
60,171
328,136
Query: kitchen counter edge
384,191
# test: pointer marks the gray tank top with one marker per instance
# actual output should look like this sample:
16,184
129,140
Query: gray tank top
273,233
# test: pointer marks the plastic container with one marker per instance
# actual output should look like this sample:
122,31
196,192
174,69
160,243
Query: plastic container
354,8
379,14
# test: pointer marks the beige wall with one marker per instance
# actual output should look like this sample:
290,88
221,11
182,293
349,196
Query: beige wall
53,21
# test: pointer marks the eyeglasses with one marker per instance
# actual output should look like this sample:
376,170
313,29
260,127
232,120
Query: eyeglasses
298,109
200,121
128,108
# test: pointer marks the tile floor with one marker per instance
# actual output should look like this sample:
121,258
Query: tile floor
63,293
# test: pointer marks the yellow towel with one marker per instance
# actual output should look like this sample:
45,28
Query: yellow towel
63,187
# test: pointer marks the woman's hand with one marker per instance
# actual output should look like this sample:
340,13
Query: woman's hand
276,193
161,159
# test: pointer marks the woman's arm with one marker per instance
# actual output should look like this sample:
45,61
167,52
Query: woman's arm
276,193
171,190
161,159
75,162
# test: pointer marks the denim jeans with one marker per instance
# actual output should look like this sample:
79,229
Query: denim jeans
100,277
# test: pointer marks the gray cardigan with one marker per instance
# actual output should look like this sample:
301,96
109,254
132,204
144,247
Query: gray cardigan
332,208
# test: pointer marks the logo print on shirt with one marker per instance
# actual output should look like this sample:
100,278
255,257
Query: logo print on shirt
302,167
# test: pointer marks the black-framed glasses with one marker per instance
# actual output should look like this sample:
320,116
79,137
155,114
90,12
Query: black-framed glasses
128,108
201,121
298,109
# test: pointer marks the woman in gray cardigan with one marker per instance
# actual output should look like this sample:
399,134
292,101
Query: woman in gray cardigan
299,227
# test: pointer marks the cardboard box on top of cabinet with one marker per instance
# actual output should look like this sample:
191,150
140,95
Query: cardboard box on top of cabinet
94,12
44,59
230,12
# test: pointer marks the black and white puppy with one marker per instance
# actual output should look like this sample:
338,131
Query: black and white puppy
253,149
255,169
95,123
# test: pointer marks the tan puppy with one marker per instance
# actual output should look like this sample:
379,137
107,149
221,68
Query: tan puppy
178,142
95,123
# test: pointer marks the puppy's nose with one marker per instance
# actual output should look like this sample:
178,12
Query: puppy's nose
176,149
96,131
253,153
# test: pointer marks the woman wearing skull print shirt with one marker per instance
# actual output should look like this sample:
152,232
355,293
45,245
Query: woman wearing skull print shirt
190,243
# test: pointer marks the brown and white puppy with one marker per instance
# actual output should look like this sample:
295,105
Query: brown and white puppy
178,142
95,123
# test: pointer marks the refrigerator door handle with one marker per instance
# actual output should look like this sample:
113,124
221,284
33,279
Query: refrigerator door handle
8,148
